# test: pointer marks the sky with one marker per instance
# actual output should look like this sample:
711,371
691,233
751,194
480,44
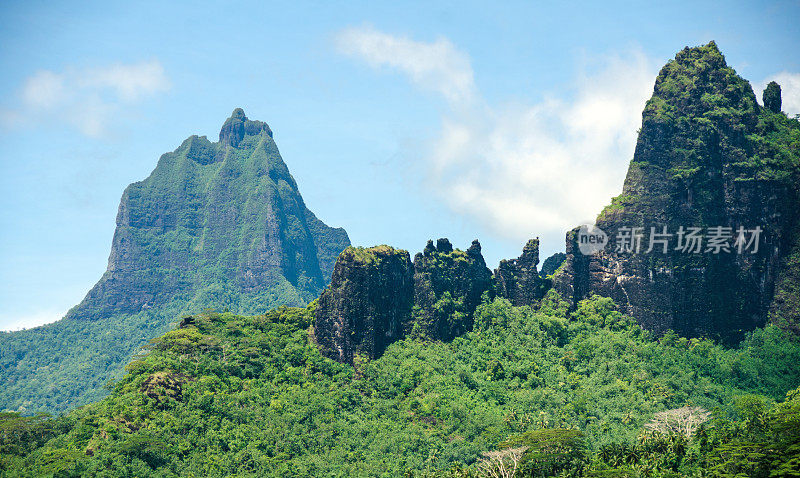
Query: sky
400,121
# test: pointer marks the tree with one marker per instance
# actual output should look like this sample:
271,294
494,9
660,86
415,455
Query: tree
501,463
684,421
549,452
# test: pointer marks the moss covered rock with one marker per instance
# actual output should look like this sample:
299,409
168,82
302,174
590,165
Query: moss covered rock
707,156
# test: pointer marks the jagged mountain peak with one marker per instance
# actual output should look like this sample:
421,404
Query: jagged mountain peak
707,156
238,113
219,225
709,50
237,126
698,82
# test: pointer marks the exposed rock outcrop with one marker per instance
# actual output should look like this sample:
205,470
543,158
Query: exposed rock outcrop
448,285
552,264
377,296
707,156
238,126
367,305
772,97
518,280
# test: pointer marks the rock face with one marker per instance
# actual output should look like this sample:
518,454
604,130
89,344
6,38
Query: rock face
376,297
216,224
552,264
772,97
448,285
238,126
367,305
707,156
518,280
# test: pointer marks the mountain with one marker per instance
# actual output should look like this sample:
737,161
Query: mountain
438,368
215,225
707,157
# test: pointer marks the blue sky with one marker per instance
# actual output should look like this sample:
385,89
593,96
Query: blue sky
399,122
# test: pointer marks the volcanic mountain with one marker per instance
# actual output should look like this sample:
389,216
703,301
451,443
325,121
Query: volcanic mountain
215,225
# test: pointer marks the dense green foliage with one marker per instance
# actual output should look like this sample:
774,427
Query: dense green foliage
73,359
225,394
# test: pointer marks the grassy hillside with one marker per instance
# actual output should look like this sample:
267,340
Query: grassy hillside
229,395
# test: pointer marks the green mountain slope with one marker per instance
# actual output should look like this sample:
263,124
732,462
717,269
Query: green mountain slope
229,395
218,225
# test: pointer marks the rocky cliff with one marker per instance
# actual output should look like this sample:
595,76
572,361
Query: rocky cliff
215,225
518,279
367,305
552,264
448,284
707,157
376,297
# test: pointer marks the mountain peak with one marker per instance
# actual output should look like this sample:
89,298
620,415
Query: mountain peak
236,235
709,51
238,113
238,126
698,83
707,156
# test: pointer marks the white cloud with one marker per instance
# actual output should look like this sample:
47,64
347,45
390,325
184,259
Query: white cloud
523,170
85,98
790,90
28,321
130,82
44,90
437,66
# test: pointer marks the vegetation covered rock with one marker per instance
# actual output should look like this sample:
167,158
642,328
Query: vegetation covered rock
707,156
448,285
367,305
772,97
377,297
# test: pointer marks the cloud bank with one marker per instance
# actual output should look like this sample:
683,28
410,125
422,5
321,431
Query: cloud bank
86,99
436,66
522,170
